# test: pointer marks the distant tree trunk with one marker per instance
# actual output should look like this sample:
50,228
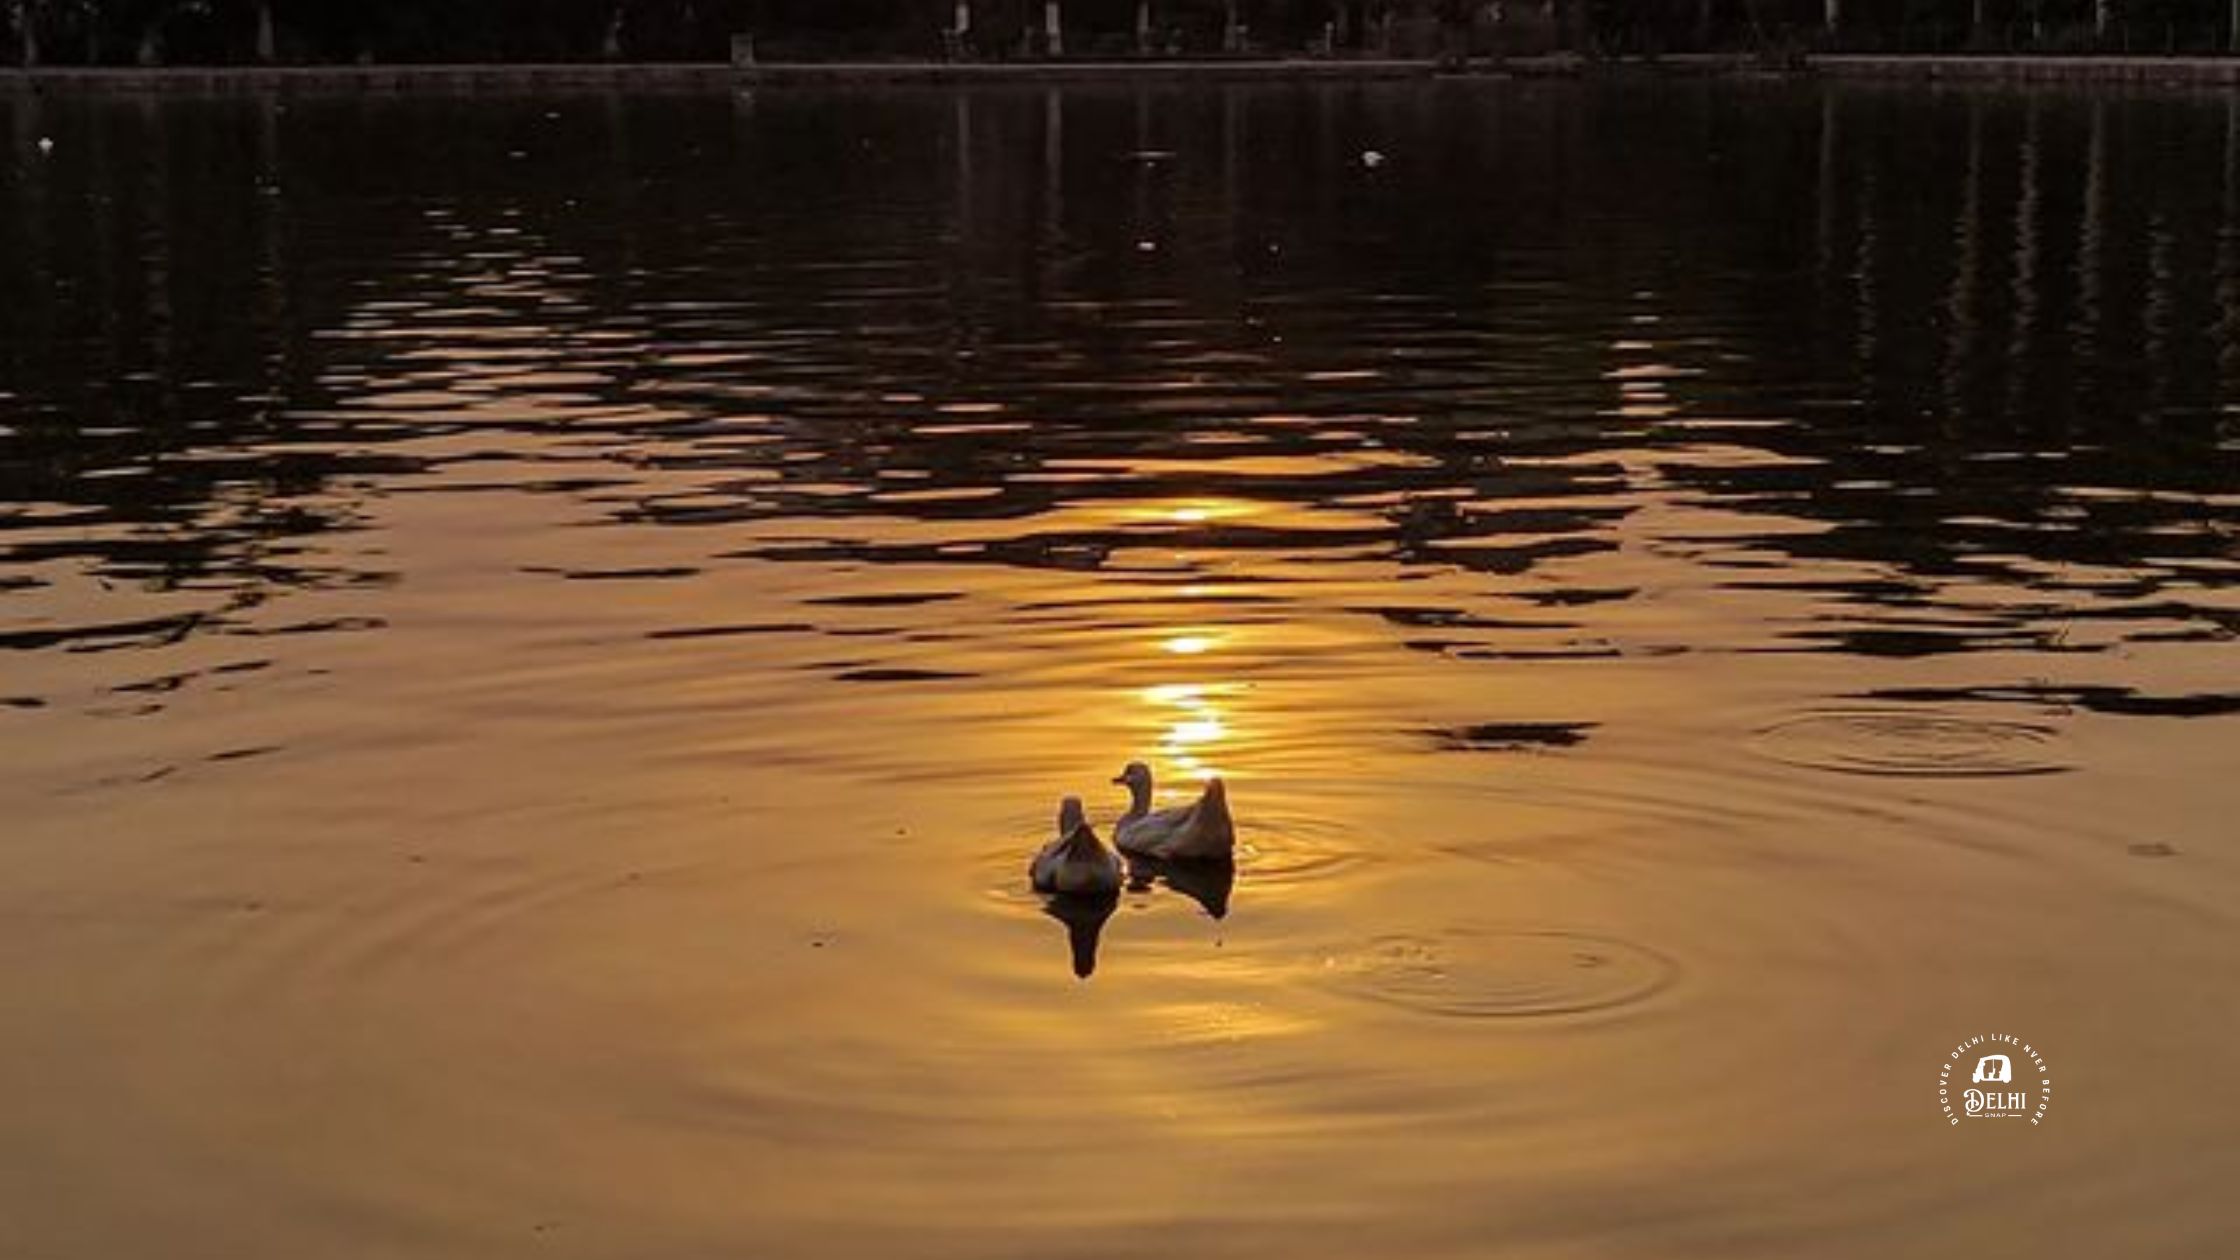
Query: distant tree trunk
1143,27
1832,10
150,51
27,30
1053,28
1232,28
2103,13
1703,22
1977,19
265,50
963,23
611,46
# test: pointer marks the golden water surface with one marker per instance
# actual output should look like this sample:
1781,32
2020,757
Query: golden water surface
538,634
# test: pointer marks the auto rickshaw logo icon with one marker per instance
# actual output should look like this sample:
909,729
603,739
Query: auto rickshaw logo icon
1992,1091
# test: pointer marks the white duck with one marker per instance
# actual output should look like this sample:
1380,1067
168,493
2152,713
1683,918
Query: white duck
1076,864
1198,832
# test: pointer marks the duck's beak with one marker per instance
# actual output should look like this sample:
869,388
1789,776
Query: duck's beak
1119,778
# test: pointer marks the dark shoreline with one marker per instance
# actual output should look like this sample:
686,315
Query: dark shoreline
702,76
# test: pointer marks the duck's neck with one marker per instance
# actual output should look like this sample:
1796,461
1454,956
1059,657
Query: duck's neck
1139,799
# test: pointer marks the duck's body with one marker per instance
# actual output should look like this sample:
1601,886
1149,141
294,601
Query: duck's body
1198,832
1076,864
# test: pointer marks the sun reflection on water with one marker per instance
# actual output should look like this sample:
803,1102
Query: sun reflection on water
1192,724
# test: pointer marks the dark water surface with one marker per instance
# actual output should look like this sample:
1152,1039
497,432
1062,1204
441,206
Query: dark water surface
536,635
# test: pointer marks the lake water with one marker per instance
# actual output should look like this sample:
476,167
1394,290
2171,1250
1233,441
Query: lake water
537,635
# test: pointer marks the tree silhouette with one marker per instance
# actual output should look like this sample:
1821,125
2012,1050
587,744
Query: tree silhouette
249,31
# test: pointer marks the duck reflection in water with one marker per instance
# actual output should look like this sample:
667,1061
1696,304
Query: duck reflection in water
1207,882
1084,918
1081,878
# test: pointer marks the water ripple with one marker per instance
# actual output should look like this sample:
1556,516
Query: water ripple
1519,973
1911,743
